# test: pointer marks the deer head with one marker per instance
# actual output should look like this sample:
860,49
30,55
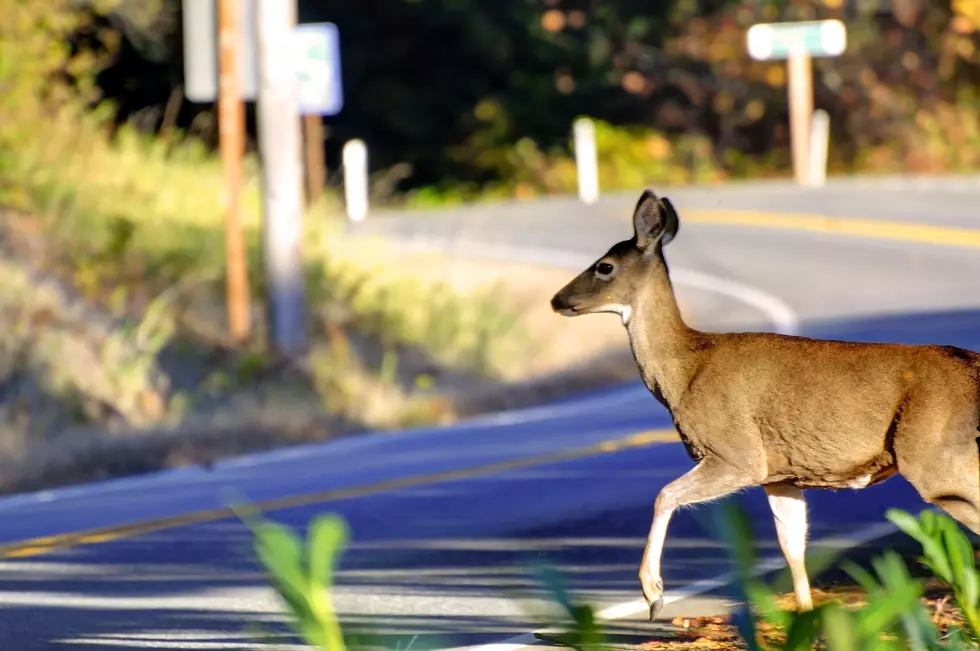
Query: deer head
612,283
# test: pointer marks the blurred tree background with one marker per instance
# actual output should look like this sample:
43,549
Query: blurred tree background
461,97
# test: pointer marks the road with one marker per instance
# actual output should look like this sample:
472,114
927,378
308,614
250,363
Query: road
446,521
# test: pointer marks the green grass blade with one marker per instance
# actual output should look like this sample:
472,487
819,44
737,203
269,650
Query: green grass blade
838,629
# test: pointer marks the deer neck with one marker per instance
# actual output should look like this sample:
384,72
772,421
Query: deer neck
662,344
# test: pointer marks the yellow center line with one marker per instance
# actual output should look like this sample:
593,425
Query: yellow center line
867,228
37,546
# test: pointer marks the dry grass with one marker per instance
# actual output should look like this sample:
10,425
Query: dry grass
88,392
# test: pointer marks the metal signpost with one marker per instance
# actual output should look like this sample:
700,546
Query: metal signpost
318,59
200,19
797,43
312,52
320,94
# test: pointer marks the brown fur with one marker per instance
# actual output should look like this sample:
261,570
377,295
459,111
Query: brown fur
761,409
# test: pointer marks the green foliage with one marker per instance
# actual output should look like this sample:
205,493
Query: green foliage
583,632
485,109
948,554
302,574
894,617
628,158
493,119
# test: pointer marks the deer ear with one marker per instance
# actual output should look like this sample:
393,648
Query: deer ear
671,221
654,220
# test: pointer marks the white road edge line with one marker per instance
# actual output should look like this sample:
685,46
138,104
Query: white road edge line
777,312
782,317
639,606
780,314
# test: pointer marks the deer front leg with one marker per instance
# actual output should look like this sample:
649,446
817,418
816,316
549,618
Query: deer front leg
789,510
709,480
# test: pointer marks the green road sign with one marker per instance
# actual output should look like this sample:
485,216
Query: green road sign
317,58
818,38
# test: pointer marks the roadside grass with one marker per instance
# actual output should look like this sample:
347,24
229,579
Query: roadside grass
115,296
116,359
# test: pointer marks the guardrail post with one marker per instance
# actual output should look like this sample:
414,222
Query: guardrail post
355,179
586,160
819,148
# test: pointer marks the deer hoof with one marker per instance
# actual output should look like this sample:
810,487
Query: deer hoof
655,607
654,596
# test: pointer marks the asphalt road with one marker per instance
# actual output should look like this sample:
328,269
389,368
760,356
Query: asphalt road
446,522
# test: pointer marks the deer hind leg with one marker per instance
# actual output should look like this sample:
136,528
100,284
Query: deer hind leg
709,480
789,511
947,474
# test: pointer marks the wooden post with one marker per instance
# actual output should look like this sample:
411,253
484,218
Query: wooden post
800,90
316,165
231,130
282,170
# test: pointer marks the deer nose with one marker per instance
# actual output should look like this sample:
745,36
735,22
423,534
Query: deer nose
558,302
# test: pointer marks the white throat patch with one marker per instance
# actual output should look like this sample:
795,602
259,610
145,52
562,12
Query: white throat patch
624,311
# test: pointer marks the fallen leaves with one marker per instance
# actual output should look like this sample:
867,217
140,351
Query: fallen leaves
716,633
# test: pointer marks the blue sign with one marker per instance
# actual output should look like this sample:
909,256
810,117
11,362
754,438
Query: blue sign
318,67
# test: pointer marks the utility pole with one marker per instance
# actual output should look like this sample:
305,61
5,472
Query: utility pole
231,130
282,173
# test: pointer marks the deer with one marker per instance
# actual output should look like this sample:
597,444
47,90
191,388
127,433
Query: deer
784,412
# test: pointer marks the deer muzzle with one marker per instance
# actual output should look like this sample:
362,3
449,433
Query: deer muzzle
562,306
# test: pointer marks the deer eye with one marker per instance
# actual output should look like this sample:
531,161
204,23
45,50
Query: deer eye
604,269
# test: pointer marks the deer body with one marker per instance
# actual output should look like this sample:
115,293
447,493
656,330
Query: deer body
783,412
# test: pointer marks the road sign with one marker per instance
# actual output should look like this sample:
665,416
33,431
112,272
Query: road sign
201,50
818,38
317,64
317,58
797,43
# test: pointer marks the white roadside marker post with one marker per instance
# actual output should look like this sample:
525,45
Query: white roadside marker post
819,148
586,160
355,179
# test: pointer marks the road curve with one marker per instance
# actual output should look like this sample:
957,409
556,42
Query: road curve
445,520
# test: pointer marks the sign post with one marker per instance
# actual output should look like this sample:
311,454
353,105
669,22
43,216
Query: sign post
231,133
293,71
798,43
316,160
320,94
226,79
